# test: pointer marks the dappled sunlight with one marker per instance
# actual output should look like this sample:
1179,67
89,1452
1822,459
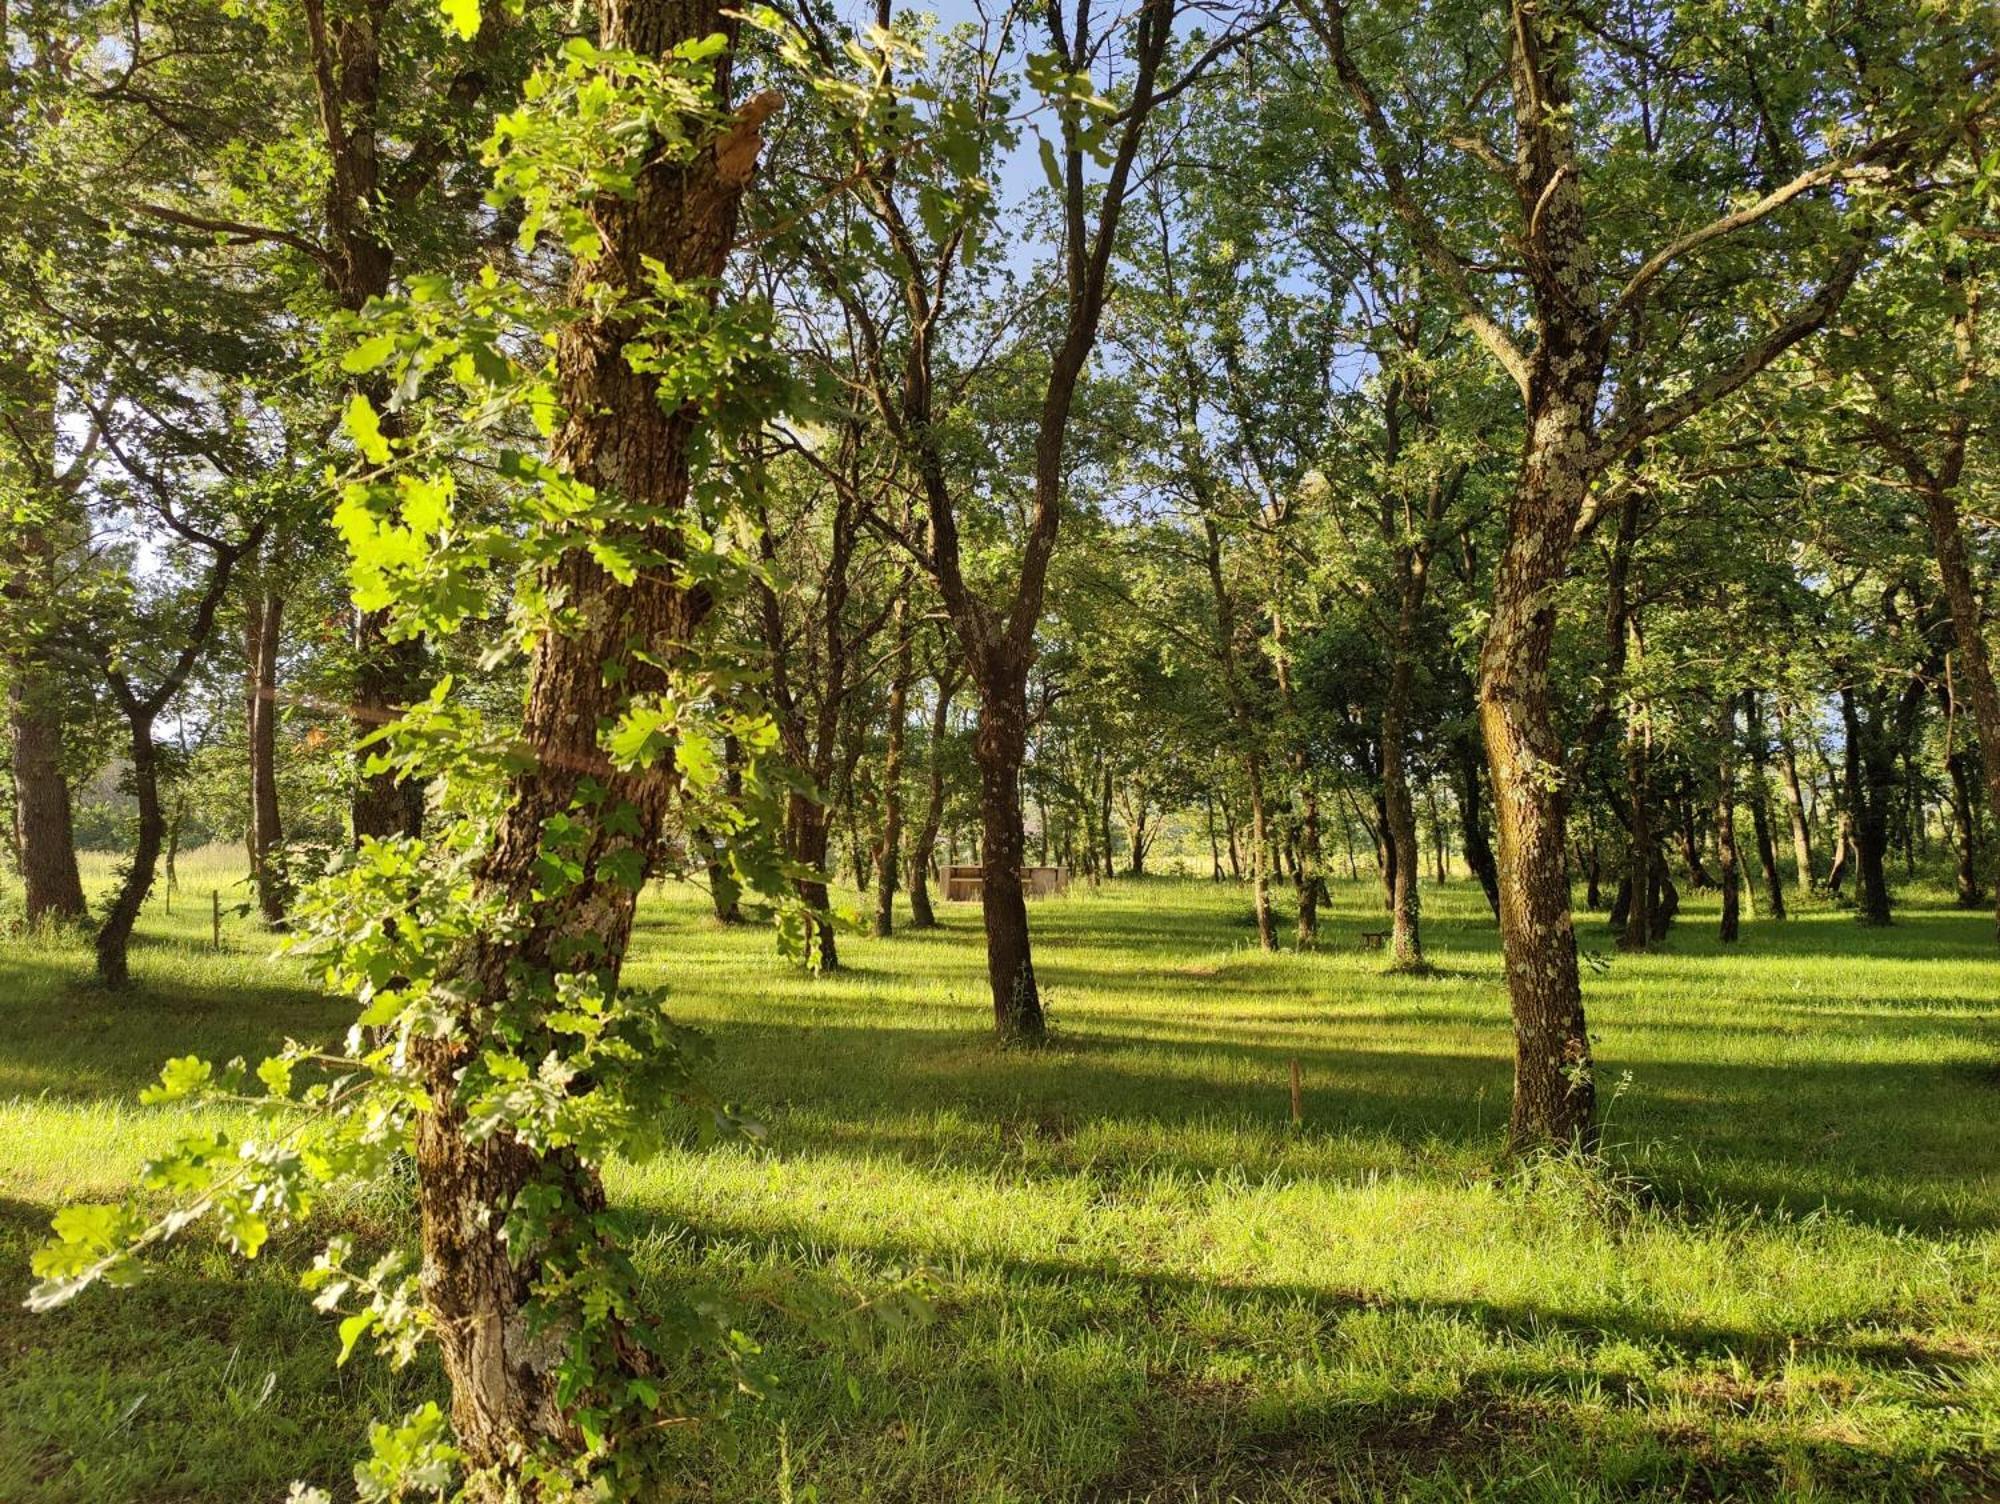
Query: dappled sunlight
1142,1271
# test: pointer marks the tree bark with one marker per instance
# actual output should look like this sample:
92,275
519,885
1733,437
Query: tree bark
889,850
1399,811
263,616
142,712
922,916
1642,844
1760,803
114,934
1247,728
1001,747
619,438
1867,804
1472,819
1965,830
1974,668
1795,805
43,828
1726,855
1698,873
42,821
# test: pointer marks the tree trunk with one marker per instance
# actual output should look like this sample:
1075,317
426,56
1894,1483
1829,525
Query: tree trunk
42,821
1867,801
1975,667
1795,804
1440,844
1472,821
1104,821
1001,747
1760,803
618,437
263,617
921,915
1555,1093
1726,856
43,831
811,839
1642,846
1843,852
1399,810
889,850
114,935
1698,873
1965,830
1589,858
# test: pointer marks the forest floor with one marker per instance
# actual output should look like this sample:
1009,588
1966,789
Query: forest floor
1147,1285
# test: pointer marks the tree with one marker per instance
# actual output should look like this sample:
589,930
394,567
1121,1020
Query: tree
497,1044
1596,380
1914,355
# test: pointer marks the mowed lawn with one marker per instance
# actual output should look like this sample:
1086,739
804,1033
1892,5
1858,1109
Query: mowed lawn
1146,1284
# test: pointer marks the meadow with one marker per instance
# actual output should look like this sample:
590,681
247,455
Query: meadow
1145,1282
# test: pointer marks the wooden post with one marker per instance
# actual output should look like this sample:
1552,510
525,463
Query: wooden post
215,916
1298,1106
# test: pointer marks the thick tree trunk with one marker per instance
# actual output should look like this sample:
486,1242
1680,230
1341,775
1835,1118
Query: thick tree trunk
1001,747
1666,898
1555,1094
263,617
43,830
42,821
387,677
619,438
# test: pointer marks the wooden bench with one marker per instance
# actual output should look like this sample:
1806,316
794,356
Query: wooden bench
963,884
1374,939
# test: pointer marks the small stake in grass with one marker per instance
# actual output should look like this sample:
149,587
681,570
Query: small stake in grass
215,915
1298,1110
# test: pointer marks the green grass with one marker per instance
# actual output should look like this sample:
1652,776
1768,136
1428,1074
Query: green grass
1148,1286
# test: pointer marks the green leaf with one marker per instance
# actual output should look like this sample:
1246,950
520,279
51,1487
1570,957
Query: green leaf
179,1077
365,428
1049,163
352,1330
464,17
276,1074
370,354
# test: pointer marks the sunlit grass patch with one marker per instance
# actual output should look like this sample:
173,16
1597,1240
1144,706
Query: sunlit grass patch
1147,1284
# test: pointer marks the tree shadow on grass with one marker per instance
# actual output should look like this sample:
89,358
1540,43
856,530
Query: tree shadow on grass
1890,1144
1202,1408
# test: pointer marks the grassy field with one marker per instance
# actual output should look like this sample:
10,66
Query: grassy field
1148,1286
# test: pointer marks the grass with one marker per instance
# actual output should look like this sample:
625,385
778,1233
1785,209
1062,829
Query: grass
1149,1287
